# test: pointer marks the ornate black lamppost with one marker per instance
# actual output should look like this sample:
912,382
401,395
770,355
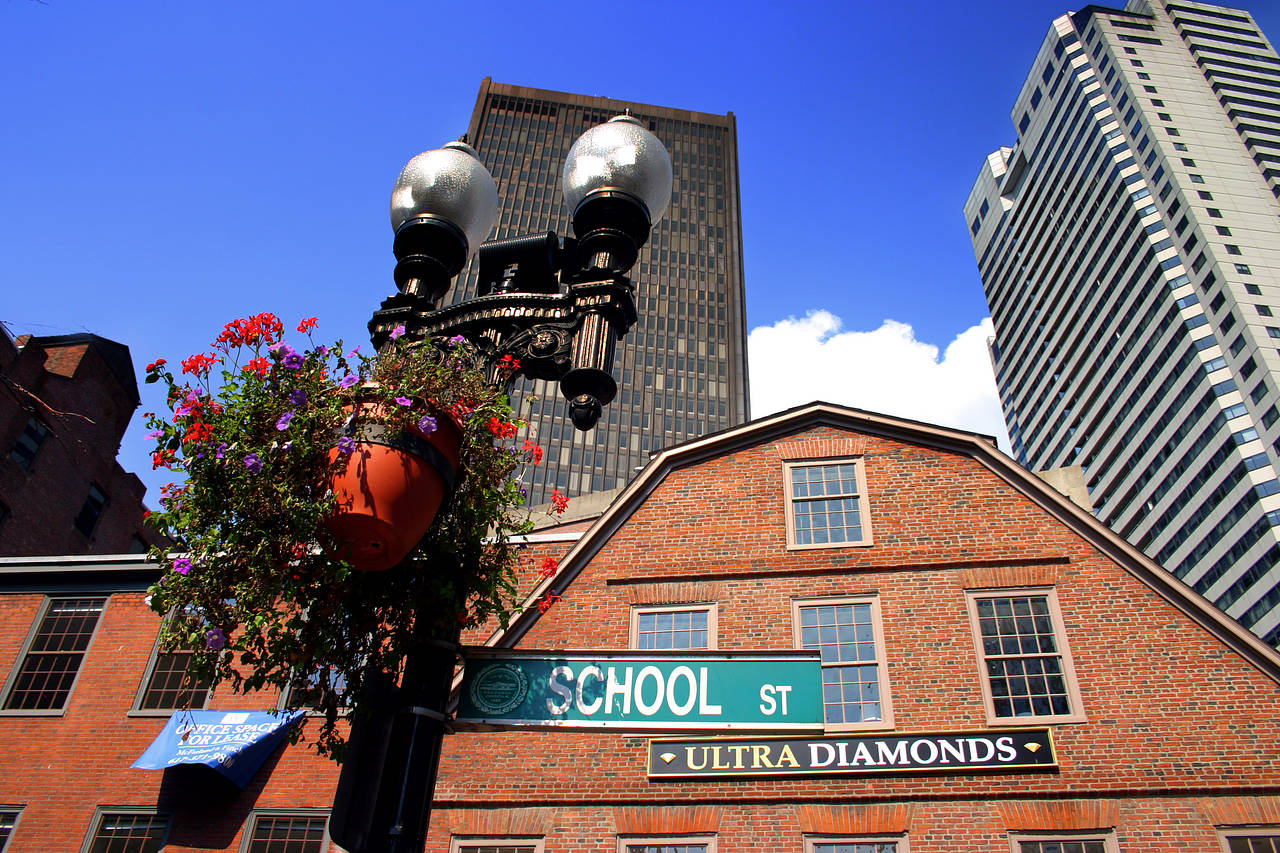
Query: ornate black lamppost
558,306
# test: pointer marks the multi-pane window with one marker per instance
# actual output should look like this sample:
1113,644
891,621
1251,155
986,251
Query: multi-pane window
1067,846
91,511
827,505
1253,843
43,680
169,687
495,845
127,832
309,689
853,846
1023,656
25,448
8,820
287,834
847,635
683,627
666,845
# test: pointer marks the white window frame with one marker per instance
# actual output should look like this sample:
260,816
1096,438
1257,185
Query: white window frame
1076,714
709,839
1107,838
12,680
101,812
864,506
810,841
17,811
458,842
1260,831
710,609
136,710
885,722
250,822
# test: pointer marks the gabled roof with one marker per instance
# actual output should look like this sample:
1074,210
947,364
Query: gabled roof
978,447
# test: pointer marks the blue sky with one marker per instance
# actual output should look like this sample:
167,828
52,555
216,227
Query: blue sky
166,167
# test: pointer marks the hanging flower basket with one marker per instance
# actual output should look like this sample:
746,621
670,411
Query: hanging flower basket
389,485
295,558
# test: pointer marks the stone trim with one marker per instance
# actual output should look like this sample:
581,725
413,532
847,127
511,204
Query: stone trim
666,820
878,819
822,448
1064,815
690,592
1242,811
523,822
1008,577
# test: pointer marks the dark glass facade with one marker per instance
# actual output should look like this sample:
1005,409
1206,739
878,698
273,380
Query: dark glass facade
682,369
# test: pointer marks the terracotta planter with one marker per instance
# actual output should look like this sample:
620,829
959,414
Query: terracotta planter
390,488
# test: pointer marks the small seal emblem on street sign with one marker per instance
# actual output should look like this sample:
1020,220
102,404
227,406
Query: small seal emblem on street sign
499,688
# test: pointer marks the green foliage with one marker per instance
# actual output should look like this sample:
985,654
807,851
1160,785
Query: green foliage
254,587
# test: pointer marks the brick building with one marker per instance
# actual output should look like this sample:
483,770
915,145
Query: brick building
65,402
956,599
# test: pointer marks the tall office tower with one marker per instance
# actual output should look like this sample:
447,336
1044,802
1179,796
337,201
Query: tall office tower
1129,246
682,369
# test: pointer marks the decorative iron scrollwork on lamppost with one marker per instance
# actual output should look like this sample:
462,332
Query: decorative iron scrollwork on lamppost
557,305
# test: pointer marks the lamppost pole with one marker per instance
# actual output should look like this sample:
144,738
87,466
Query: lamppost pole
557,306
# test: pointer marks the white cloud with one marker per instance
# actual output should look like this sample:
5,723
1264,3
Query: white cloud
885,370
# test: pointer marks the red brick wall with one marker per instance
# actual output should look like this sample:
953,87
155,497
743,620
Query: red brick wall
1169,708
1181,733
73,391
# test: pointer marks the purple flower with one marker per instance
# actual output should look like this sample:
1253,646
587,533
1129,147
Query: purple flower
252,462
181,565
215,639
292,361
283,351
155,434
222,447
348,380
283,423
355,352
404,401
397,332
322,351
457,339
297,397
346,445
286,446
427,425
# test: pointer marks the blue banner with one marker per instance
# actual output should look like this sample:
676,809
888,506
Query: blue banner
235,743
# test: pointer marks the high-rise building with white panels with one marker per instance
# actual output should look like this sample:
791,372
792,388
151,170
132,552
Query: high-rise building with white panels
1129,246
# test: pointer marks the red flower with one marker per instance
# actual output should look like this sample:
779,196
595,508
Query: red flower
547,567
509,363
260,328
156,365
307,325
534,451
257,365
559,502
501,429
161,459
198,433
544,603
198,364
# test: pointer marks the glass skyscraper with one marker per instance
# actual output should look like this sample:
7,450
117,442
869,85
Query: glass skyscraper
682,369
1129,246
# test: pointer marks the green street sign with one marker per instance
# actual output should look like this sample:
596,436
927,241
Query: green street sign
641,691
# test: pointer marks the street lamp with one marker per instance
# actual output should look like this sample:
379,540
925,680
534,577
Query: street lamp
557,305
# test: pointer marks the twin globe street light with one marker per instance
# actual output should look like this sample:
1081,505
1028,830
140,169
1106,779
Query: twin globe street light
558,306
